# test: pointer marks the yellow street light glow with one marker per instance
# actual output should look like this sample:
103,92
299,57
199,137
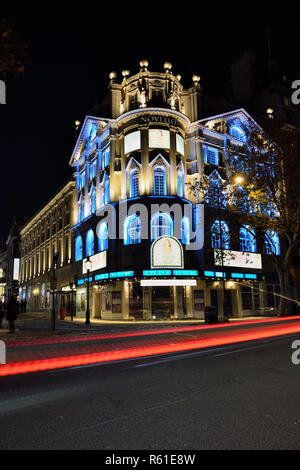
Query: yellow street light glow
239,179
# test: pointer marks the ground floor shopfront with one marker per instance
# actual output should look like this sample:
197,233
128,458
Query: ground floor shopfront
129,300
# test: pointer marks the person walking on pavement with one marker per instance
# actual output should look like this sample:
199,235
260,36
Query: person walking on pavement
12,311
2,313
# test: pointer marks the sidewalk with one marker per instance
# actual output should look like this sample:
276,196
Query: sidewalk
33,325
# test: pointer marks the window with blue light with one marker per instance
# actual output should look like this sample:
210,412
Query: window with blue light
180,184
82,180
160,188
220,237
103,237
94,201
78,248
132,230
105,157
134,182
161,224
185,230
82,210
93,169
238,133
106,192
90,249
272,243
247,239
212,156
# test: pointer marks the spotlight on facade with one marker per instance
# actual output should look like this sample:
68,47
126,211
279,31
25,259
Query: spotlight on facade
77,124
239,179
270,113
178,77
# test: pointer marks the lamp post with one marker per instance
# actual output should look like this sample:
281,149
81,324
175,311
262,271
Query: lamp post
88,265
72,285
53,286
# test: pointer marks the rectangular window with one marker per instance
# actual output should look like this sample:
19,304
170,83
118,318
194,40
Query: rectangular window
212,156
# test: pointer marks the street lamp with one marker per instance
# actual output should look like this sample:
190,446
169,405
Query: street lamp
88,265
72,286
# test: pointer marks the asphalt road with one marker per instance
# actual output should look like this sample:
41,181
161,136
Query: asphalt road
243,396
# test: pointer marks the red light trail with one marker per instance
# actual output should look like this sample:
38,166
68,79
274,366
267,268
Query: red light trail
178,344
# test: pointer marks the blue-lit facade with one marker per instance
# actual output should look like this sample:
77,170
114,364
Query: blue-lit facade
137,220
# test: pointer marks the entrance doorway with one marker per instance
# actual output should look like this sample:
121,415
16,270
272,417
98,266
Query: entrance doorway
136,300
162,302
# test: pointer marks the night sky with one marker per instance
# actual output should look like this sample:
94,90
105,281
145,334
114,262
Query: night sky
71,58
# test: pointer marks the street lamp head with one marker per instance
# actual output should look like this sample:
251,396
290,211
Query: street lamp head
88,264
239,179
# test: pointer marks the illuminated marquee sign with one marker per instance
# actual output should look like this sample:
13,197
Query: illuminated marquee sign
238,259
132,142
99,261
159,138
166,252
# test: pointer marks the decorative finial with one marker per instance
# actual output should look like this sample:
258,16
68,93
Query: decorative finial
112,76
167,66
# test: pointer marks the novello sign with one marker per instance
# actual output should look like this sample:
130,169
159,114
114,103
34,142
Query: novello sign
162,119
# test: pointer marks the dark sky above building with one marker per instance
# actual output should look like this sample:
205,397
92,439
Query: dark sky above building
72,56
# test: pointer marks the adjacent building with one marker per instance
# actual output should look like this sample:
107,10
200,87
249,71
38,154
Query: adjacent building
46,254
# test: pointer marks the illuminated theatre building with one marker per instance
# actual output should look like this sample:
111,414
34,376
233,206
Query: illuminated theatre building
137,164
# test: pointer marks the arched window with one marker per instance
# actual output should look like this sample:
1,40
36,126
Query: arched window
78,248
185,230
247,239
93,202
160,181
134,183
238,133
220,233
90,249
161,224
103,237
272,243
132,230
106,192
179,184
